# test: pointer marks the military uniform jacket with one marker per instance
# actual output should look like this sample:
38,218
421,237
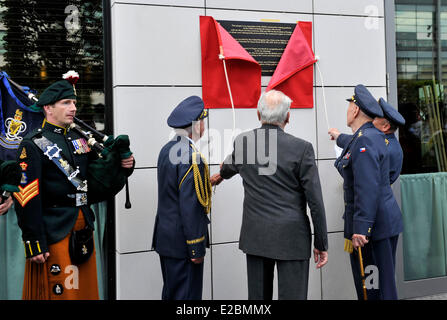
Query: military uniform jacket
396,157
181,224
393,147
370,206
277,191
46,207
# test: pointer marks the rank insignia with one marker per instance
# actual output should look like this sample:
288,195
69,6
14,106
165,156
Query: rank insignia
58,289
80,146
55,269
27,193
387,141
84,250
24,165
23,154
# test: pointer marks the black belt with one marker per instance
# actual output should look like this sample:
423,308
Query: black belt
72,200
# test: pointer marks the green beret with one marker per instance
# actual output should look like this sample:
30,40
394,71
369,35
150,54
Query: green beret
59,90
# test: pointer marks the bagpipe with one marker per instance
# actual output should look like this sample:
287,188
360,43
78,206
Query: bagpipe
105,175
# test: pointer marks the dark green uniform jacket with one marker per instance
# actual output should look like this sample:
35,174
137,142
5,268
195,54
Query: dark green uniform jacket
48,204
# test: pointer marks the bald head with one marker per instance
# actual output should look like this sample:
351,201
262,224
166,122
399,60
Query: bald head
273,107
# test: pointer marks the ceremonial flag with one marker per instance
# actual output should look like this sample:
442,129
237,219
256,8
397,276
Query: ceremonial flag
294,73
16,119
244,73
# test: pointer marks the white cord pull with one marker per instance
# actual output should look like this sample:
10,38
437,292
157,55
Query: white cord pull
324,94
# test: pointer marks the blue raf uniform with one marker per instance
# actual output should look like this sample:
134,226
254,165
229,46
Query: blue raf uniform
370,207
184,200
394,148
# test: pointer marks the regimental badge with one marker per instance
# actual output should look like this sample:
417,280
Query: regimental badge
84,250
58,289
24,165
55,269
52,151
15,126
23,154
64,164
387,141
24,179
81,199
81,146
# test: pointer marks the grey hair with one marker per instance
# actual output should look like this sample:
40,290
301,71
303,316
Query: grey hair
184,131
273,107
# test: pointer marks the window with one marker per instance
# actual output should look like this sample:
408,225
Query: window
41,40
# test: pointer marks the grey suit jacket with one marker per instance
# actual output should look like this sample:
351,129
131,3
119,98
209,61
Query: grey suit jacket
280,177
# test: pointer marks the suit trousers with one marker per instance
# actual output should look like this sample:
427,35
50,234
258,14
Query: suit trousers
379,262
293,278
182,279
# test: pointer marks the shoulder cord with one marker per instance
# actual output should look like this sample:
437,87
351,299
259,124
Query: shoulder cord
203,187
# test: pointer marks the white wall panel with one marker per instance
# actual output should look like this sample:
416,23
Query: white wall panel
268,5
337,280
134,226
332,188
350,51
302,125
337,107
368,8
142,113
139,276
156,45
227,206
221,130
229,272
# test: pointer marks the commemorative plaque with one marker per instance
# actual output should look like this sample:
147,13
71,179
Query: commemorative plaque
264,41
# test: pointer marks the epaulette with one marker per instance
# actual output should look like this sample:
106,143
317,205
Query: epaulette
33,133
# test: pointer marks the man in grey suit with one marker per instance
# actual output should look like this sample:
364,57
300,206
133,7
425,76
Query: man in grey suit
280,177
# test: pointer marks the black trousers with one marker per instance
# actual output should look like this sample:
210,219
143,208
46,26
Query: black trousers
293,278
182,279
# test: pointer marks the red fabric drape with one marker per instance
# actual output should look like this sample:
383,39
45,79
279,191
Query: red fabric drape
294,73
244,73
